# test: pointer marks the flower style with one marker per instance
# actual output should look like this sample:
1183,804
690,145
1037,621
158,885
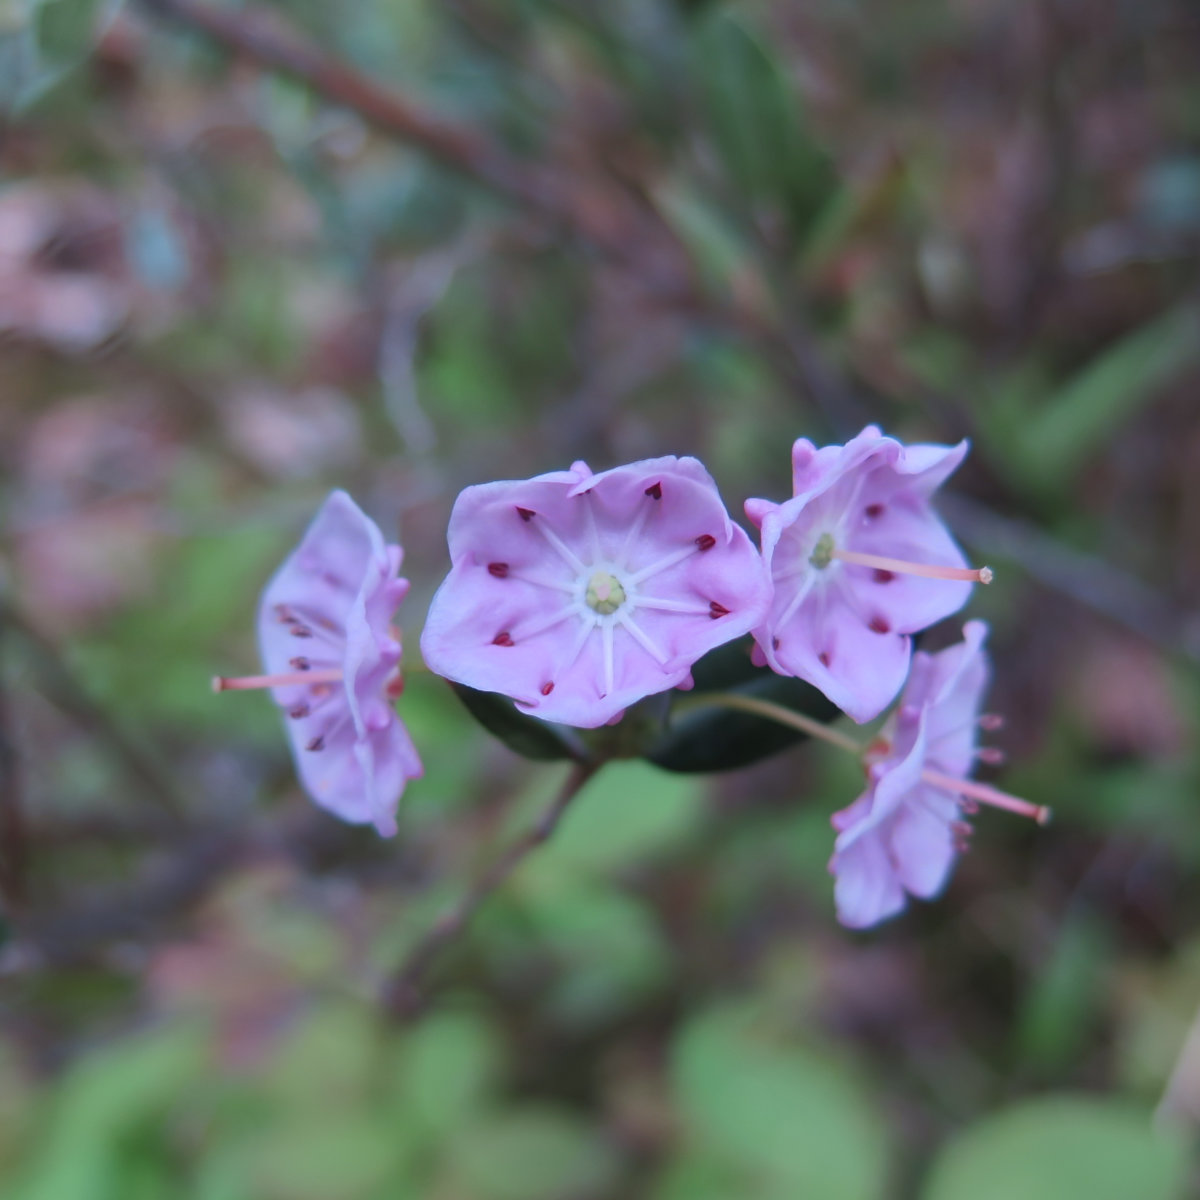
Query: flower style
579,594
859,561
902,835
333,598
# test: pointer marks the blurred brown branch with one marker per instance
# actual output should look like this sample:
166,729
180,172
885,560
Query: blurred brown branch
402,994
266,39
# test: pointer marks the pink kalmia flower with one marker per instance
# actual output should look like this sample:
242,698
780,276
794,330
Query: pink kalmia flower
332,660
859,561
579,594
902,836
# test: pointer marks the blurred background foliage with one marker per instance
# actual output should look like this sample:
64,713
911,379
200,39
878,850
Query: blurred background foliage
637,227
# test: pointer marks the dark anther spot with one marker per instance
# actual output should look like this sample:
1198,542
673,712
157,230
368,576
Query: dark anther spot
824,658
874,510
654,491
882,576
301,631
500,570
547,688
299,711
299,663
775,643
318,743
706,541
503,638
526,514
716,610
880,625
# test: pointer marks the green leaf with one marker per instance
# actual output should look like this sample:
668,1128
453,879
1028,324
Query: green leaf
40,41
789,1115
330,1156
447,1067
524,735
722,739
1066,997
106,1097
1090,409
629,811
755,119
1058,1148
533,1153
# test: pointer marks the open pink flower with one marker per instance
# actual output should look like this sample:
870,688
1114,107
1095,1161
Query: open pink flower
901,837
332,661
859,561
579,594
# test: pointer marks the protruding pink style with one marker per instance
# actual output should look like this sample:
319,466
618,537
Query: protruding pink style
859,561
901,837
337,593
579,594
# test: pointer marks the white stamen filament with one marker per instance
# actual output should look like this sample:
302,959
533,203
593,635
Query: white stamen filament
988,795
245,683
925,570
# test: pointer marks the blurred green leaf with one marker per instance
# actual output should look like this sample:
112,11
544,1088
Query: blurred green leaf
330,1155
107,1095
1074,423
446,1068
1063,1002
43,39
524,735
627,812
781,1111
329,1060
1058,1148
533,1153
722,739
756,120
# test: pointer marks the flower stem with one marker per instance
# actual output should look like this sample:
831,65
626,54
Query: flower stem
402,994
775,712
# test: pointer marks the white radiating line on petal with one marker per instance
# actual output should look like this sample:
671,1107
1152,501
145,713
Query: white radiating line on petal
635,531
783,576
606,633
567,554
576,649
553,584
593,532
663,563
672,606
796,601
640,636
549,622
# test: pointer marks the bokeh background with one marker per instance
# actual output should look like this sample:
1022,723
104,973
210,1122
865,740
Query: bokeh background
605,230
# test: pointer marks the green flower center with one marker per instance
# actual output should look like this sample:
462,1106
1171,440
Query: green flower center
604,593
822,554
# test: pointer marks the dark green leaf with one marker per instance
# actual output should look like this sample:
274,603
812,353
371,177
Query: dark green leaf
755,120
722,739
524,735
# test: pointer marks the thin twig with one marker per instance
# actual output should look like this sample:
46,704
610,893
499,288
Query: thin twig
403,995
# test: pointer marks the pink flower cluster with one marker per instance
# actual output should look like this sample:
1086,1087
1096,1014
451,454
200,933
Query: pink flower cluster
578,594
